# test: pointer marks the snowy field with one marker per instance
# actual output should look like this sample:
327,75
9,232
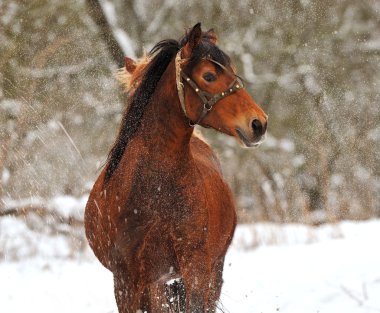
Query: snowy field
269,268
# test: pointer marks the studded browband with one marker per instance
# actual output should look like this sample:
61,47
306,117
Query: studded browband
208,99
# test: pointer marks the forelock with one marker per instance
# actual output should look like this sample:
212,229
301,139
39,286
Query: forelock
206,49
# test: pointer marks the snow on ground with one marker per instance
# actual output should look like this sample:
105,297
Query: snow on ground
333,275
269,268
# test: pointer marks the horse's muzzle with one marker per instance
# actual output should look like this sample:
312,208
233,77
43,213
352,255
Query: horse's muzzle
257,140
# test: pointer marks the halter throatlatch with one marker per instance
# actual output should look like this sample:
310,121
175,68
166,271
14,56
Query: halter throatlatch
208,99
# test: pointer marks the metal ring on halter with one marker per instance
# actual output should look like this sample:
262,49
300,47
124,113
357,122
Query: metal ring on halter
207,108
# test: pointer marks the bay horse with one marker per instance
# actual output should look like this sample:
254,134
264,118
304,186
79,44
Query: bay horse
160,216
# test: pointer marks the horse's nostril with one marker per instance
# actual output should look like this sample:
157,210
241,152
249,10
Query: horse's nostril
257,127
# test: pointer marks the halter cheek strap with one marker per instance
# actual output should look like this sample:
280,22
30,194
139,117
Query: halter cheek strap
180,86
208,99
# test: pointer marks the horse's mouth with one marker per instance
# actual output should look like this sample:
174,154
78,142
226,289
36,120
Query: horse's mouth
248,142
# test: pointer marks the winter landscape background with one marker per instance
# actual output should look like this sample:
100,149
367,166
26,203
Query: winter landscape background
314,66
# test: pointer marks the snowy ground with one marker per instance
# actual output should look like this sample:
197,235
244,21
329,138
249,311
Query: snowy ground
269,268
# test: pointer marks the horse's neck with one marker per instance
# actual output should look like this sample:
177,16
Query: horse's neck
164,128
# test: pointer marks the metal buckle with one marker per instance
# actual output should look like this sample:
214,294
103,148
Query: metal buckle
207,108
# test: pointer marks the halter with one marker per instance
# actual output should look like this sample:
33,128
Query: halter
208,99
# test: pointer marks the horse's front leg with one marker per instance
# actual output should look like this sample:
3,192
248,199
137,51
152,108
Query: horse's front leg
196,275
123,292
130,293
158,302
215,285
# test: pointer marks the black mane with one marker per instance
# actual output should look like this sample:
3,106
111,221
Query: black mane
163,52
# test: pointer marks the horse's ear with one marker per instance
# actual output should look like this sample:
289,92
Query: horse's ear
130,65
195,37
211,35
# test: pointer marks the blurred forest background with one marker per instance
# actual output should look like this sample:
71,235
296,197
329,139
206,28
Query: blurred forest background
314,66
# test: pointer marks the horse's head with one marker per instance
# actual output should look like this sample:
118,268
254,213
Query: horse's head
213,95
210,92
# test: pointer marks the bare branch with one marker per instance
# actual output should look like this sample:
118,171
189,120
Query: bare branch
97,14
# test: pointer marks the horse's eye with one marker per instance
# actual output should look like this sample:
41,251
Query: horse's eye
209,77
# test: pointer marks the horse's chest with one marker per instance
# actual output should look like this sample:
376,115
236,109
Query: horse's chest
182,208
179,197
156,195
